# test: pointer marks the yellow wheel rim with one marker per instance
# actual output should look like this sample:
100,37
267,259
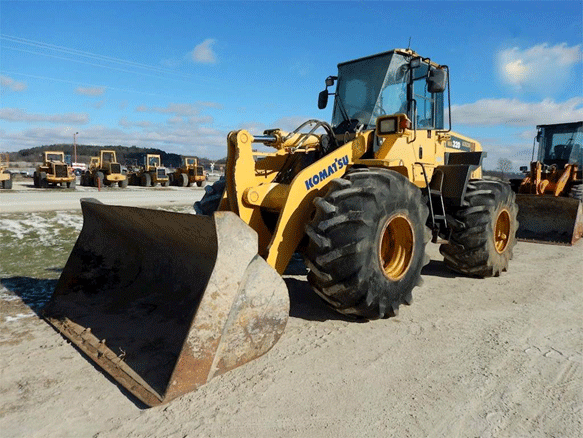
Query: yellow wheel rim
396,247
502,231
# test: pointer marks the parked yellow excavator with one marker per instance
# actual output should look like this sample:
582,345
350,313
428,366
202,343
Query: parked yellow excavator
166,301
549,197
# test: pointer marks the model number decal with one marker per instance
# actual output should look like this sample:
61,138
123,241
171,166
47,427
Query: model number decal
460,144
338,164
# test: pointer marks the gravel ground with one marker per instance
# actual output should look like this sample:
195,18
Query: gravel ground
497,357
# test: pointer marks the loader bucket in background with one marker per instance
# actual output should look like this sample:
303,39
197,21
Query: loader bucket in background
166,301
549,219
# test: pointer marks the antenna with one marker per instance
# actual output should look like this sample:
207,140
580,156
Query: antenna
409,46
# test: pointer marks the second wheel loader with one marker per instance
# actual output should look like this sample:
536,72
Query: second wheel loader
551,193
359,197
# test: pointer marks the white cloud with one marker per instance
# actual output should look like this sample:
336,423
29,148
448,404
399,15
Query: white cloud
179,109
7,82
90,91
182,139
203,52
300,68
99,104
18,115
127,124
513,112
540,68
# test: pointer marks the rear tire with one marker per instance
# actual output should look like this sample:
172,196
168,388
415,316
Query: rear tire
483,230
211,199
42,179
199,183
367,243
36,180
123,183
7,184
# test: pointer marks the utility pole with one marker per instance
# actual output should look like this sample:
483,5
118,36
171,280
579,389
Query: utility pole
75,145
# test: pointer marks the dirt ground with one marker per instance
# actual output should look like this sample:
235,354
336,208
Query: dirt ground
499,357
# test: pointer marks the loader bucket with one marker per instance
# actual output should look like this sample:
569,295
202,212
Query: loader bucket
549,219
166,301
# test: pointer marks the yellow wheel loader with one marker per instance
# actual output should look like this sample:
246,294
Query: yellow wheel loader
150,174
165,301
188,173
54,171
550,195
104,171
5,177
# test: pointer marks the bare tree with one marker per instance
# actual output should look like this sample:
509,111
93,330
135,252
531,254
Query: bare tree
504,166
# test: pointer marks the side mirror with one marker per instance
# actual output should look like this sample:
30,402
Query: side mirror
436,80
323,99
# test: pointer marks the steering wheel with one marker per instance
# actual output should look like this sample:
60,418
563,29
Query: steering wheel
348,125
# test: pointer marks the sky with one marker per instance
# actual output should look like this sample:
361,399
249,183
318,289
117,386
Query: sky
180,75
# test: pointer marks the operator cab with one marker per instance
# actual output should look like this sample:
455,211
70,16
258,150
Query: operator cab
395,82
560,144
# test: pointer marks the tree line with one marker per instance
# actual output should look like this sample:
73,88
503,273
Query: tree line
132,155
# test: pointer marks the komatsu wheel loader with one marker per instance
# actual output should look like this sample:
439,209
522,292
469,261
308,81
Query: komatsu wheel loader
166,301
549,197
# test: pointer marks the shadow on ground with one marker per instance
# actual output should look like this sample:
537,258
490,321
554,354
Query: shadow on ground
34,292
436,268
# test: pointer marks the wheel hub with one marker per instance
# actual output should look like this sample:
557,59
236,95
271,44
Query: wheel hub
502,231
396,247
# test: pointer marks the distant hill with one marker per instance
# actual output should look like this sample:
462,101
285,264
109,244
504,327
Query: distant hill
125,155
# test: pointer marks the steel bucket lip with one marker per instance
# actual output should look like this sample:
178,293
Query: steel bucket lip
549,219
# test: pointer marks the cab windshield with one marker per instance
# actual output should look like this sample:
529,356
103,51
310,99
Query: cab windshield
108,157
561,144
55,157
378,85
190,161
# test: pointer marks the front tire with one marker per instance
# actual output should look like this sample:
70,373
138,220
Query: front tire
483,230
367,243
146,180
